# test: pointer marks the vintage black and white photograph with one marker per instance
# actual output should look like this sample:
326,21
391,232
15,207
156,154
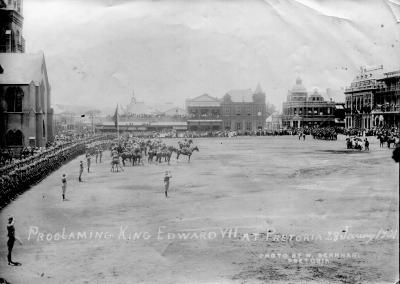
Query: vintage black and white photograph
204,141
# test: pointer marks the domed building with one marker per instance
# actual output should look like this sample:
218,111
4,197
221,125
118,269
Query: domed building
303,110
298,93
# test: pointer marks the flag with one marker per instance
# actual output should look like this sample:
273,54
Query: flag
115,117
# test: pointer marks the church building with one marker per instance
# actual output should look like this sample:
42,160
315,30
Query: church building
26,116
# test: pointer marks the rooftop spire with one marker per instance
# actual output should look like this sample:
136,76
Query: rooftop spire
258,89
133,99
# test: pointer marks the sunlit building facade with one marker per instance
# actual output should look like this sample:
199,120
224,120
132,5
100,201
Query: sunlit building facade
302,110
373,99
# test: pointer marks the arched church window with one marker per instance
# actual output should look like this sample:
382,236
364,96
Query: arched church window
13,98
14,138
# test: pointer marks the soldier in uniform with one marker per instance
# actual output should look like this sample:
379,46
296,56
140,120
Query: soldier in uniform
64,186
88,161
166,183
80,170
11,240
97,153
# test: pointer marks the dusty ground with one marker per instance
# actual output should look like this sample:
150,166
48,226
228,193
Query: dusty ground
261,190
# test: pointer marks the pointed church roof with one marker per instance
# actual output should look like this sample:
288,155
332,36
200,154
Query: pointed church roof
258,89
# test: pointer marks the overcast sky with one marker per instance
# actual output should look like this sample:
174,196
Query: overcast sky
97,52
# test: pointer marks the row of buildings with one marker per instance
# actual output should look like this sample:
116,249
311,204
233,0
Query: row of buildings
243,111
373,99
238,110
26,116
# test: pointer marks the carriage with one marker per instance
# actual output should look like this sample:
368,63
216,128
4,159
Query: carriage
354,143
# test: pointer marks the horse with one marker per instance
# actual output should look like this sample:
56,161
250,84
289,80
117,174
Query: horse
382,140
391,140
166,154
137,156
151,154
143,147
127,155
187,152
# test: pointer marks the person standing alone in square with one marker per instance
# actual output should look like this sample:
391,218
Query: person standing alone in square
166,183
64,186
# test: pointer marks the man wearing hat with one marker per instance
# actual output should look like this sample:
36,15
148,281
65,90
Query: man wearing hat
11,240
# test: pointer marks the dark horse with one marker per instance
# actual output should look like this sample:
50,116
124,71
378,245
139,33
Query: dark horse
186,151
382,139
388,139
391,140
166,153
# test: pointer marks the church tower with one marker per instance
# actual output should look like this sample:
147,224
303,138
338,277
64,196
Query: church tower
11,23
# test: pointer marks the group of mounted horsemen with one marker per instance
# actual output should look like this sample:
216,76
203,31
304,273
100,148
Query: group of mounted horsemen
134,150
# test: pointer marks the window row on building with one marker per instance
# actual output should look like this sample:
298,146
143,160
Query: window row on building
302,110
239,110
373,99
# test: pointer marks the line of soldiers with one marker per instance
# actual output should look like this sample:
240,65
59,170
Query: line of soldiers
324,133
33,169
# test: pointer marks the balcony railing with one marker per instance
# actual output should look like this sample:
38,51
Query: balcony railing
204,116
390,89
361,88
387,108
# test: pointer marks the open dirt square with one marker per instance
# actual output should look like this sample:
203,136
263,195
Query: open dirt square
244,210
